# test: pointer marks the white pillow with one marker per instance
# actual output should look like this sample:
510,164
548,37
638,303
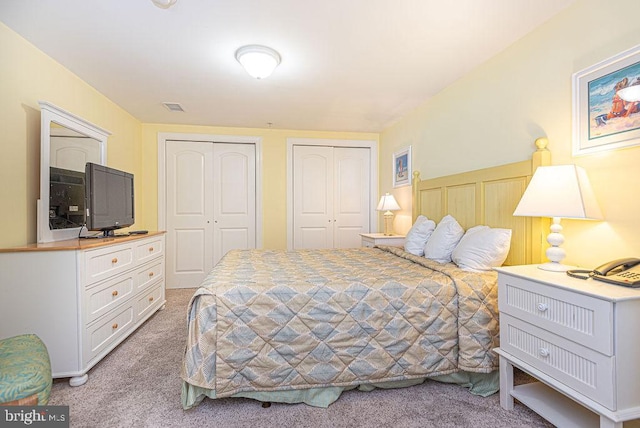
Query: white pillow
443,240
418,235
482,248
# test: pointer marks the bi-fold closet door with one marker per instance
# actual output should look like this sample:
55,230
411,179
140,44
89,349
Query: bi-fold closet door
331,196
211,206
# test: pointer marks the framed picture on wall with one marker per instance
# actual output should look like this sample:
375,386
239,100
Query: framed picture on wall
402,167
606,110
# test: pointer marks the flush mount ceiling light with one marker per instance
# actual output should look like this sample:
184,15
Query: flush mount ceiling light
164,4
258,61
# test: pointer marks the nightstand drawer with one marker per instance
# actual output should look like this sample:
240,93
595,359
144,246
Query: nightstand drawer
582,369
580,318
368,243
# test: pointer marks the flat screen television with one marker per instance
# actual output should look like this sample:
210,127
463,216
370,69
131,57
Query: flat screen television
109,199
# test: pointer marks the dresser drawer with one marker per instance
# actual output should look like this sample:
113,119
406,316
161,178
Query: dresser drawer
106,262
147,302
149,274
582,369
101,299
149,249
580,318
104,332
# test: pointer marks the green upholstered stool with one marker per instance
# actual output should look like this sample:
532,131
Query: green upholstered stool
25,371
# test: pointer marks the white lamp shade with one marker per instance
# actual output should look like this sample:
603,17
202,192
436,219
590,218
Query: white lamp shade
388,203
559,191
630,93
258,61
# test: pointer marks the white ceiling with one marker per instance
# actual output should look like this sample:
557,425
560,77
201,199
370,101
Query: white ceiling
347,65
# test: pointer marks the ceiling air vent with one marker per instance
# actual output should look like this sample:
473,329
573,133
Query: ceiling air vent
173,106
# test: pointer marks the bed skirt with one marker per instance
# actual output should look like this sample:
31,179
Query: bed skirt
483,384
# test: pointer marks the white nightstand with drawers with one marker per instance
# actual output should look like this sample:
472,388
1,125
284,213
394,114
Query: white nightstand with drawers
578,338
373,239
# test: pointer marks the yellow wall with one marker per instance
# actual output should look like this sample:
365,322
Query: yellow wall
27,76
490,116
274,157
494,114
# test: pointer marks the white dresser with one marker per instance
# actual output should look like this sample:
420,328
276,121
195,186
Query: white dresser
81,297
579,338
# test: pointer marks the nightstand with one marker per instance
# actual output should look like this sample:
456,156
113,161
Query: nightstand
373,239
578,338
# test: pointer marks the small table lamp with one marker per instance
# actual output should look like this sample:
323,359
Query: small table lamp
388,203
558,191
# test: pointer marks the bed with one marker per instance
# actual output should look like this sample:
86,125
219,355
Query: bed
303,326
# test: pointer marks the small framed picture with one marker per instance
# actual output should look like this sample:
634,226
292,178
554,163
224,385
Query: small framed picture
606,98
402,167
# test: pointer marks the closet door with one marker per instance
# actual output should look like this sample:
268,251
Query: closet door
210,206
331,191
351,196
234,187
313,197
189,178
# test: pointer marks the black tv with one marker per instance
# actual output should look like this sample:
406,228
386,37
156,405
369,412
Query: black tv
109,199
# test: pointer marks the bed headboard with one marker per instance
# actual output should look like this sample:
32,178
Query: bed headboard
488,196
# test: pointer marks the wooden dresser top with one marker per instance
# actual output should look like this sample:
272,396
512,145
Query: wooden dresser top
78,244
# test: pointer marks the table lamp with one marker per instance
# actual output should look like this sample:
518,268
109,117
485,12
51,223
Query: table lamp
388,203
558,191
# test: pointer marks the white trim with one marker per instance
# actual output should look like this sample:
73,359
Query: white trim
373,153
52,113
163,137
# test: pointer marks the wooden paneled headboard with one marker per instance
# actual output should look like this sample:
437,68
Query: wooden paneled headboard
488,196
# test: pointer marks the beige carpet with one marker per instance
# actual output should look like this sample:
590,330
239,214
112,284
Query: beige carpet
138,385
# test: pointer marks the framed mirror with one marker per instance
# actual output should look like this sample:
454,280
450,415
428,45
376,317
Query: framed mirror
68,142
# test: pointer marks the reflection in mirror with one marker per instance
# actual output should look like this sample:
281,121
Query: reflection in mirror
69,152
68,142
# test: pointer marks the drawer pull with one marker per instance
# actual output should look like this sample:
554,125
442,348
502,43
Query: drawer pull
150,274
150,249
544,352
114,260
114,326
114,293
151,299
542,307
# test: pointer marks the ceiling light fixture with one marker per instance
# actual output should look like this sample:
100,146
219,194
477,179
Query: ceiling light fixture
258,61
164,4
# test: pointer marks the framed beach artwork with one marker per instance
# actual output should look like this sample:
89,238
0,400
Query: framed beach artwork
402,167
606,98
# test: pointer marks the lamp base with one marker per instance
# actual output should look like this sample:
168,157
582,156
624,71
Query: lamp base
554,267
388,223
555,253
